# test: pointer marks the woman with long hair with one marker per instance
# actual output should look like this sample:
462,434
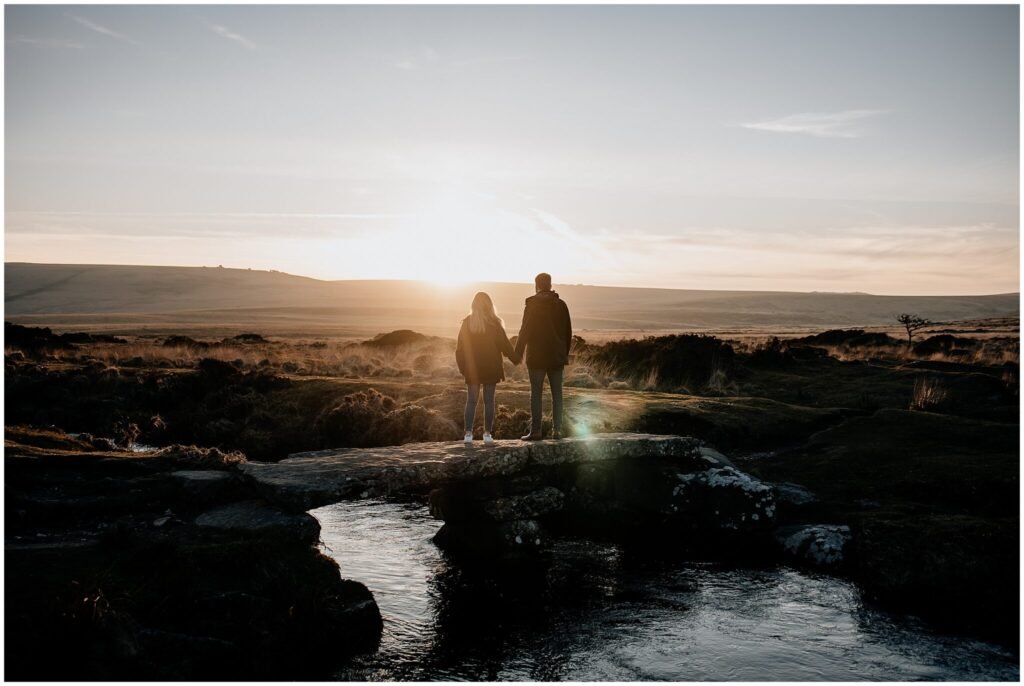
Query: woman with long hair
482,342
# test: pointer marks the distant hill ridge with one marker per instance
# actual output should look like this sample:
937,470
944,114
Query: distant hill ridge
105,295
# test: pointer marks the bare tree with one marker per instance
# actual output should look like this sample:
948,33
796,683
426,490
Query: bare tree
911,322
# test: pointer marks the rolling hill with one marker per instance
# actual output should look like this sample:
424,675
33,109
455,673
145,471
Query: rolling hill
164,299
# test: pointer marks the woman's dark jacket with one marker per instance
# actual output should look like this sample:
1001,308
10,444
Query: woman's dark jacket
479,354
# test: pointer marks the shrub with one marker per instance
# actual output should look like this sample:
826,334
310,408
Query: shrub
369,418
247,338
424,363
719,383
216,370
195,456
397,338
184,342
849,338
509,423
582,379
666,361
35,338
944,343
770,354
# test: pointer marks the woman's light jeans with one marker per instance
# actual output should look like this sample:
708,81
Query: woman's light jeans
474,394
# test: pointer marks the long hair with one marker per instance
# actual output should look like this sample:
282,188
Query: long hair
482,313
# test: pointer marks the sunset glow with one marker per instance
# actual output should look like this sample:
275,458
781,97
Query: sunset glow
455,144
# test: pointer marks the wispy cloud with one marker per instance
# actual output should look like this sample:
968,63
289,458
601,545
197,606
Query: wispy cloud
93,26
232,36
195,224
426,57
46,42
871,243
423,57
823,124
496,59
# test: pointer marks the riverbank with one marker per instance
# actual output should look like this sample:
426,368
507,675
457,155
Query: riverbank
164,566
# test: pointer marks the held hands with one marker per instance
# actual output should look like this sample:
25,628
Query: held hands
515,359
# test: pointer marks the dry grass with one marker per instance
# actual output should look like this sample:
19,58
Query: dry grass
929,395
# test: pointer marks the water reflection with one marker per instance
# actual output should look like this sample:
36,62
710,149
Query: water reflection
598,612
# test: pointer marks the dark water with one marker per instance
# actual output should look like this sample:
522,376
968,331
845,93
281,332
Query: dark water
599,613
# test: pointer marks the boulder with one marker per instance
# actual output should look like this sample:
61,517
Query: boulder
253,518
793,494
949,567
202,486
516,538
823,546
722,498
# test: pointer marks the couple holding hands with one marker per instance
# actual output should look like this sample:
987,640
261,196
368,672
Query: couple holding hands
545,335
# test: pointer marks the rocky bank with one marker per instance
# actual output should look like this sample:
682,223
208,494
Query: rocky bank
164,566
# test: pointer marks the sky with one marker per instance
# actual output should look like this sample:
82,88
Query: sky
792,148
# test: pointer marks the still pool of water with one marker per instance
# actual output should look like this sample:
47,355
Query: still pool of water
598,613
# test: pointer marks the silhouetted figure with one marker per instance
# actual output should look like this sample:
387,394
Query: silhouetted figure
482,342
545,335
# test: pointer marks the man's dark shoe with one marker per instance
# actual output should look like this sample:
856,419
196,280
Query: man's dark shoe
532,436
556,435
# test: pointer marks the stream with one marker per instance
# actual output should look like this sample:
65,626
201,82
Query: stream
598,612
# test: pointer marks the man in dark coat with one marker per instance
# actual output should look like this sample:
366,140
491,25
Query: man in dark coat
545,335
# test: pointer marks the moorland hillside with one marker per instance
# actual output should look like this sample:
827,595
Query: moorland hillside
108,297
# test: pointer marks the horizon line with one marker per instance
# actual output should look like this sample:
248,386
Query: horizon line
515,283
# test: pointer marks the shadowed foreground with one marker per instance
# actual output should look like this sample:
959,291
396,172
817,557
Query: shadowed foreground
164,566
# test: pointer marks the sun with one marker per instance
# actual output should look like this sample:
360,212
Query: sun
458,235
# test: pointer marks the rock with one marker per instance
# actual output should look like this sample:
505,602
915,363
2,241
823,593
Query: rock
956,568
715,458
517,538
255,518
536,504
498,499
822,546
723,498
308,480
203,487
793,494
200,477
457,505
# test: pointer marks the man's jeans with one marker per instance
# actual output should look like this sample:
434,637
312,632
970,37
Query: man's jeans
537,398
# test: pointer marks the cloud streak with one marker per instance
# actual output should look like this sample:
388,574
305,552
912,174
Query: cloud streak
233,36
821,124
418,59
98,28
46,42
195,224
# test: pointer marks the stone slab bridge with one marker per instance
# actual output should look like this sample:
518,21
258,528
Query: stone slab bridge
513,497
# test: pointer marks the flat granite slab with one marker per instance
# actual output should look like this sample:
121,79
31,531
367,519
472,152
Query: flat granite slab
313,479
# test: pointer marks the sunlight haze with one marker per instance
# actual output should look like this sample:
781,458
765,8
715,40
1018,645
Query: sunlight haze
798,148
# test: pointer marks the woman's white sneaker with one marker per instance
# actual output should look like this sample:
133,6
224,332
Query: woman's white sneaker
468,438
488,439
